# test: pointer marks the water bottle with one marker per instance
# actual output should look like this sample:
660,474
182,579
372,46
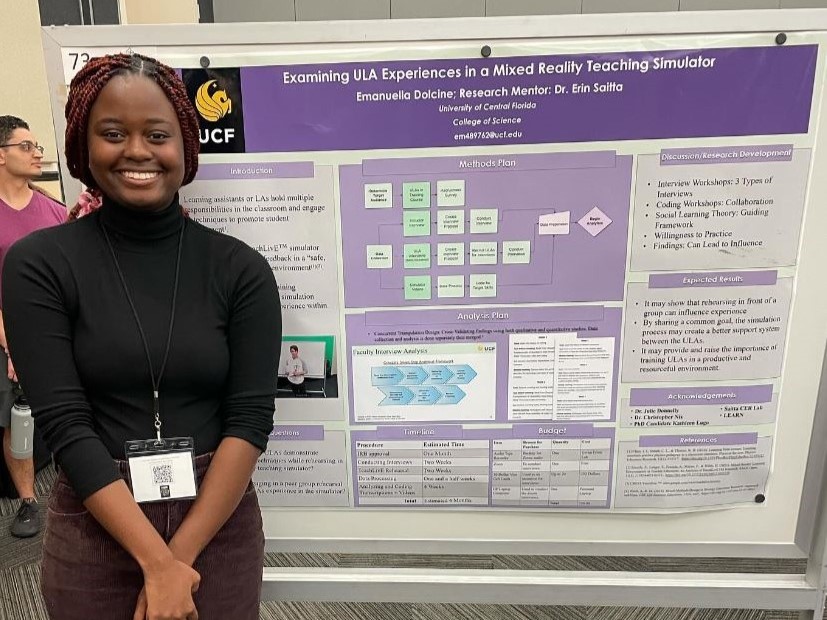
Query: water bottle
22,429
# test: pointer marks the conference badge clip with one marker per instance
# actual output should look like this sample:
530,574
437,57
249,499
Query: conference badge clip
161,469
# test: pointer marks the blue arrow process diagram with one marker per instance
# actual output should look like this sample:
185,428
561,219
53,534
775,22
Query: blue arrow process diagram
412,375
421,395
438,375
451,395
431,384
385,375
435,374
461,375
426,395
396,396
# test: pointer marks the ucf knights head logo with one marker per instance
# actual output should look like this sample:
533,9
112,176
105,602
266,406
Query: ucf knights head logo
216,95
211,102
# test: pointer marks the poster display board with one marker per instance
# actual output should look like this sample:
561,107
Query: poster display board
561,279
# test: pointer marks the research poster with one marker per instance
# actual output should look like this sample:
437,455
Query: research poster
536,281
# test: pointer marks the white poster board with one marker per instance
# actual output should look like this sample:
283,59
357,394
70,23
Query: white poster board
456,199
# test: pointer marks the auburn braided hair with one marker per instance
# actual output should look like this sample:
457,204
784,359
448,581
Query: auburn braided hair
87,85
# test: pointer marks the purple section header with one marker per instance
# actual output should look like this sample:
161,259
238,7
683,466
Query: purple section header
728,439
482,163
718,395
506,316
660,94
397,433
713,279
726,154
425,432
297,433
260,170
552,431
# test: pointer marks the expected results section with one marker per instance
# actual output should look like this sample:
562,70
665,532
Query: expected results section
706,326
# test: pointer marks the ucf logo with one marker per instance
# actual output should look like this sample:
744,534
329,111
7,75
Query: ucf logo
217,98
212,106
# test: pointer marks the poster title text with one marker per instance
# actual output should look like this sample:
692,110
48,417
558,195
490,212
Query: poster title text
501,69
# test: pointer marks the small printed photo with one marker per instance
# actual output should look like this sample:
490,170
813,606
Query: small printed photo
307,367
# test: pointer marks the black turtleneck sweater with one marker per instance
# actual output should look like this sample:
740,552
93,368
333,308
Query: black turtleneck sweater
79,354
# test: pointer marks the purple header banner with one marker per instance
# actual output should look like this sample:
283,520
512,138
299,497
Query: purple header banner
713,279
482,163
483,316
687,93
726,154
435,431
552,431
727,439
261,170
719,395
454,431
297,433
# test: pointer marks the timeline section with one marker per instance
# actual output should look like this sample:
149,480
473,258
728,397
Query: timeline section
527,465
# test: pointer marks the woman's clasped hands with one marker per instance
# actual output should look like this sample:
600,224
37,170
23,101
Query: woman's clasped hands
168,592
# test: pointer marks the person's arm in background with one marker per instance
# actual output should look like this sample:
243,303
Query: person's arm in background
10,373
39,332
254,338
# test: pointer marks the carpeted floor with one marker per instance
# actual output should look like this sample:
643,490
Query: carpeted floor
20,596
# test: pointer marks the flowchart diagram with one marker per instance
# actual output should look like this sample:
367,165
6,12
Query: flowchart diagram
422,385
464,230
426,382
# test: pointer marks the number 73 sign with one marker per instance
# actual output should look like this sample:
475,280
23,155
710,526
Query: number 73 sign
75,57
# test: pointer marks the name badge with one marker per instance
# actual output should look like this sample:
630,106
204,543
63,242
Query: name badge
162,469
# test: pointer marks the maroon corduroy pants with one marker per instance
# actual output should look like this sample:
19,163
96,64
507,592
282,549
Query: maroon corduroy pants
87,574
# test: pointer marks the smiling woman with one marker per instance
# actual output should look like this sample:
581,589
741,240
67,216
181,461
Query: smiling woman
136,160
149,347
158,80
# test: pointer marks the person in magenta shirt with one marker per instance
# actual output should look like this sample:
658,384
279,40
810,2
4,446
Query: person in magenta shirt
23,210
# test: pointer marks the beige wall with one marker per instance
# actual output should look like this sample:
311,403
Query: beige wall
161,11
23,74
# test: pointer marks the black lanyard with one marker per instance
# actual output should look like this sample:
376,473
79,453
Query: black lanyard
156,383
